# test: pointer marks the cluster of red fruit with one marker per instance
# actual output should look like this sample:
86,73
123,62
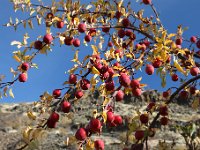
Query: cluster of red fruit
23,76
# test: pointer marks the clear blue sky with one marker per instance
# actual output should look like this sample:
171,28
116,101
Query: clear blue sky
51,70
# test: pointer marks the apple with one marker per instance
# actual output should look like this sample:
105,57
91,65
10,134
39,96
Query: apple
146,42
56,93
119,96
198,44
110,116
25,66
125,22
68,40
136,92
95,125
138,146
157,63
60,24
146,2
135,84
76,42
149,69
79,94
144,118
85,84
99,144
111,71
82,27
193,39
51,124
65,106
124,80
92,32
118,14
163,110
179,41
54,117
166,94
118,120
48,39
139,134
72,79
38,45
175,77
105,29
110,86
194,71
151,105
88,38
164,121
121,33
184,95
22,77
81,134
192,90
110,44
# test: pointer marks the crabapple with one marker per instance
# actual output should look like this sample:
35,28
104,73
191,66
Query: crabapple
38,45
48,39
65,106
79,94
22,77
56,93
82,27
72,79
149,69
25,66
81,134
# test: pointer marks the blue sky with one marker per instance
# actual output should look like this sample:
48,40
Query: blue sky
50,74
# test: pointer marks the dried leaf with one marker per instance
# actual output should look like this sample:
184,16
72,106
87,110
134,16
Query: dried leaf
31,115
11,93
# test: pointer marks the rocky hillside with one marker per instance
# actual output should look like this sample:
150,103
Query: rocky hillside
13,120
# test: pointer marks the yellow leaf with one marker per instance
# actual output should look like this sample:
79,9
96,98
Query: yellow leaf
95,71
179,68
31,115
11,93
171,35
75,57
143,85
139,79
104,115
89,145
95,49
26,134
106,101
17,58
195,103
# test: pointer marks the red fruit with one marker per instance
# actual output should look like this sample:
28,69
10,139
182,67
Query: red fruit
95,125
135,84
138,146
151,105
163,110
56,93
175,77
81,27
192,90
179,41
157,63
51,124
164,121
125,22
169,59
110,44
110,86
194,71
146,42
76,42
88,38
124,80
111,124
198,44
129,32
48,39
120,95
25,66
99,145
54,117
38,45
104,69
92,32
144,118
149,69
98,66
65,106
119,52
79,94
166,94
137,46
184,95
118,14
146,2
68,40
72,79
111,72
139,135
117,64
193,39
105,76
110,116
105,29
81,134
136,92
60,24
85,84
118,120
23,77
143,47
121,33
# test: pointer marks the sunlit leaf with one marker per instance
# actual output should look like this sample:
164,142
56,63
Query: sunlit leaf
31,115
11,93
